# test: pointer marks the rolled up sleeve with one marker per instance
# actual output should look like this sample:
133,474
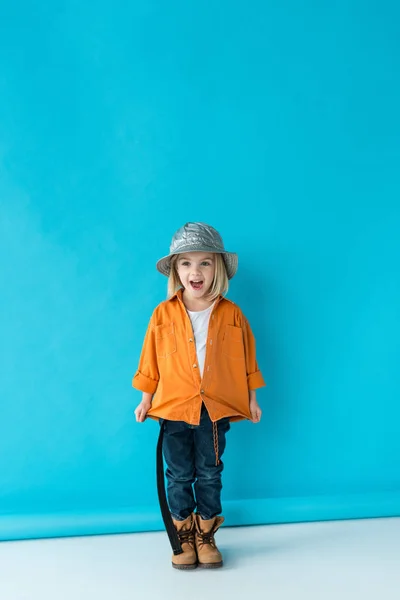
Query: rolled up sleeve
147,376
255,379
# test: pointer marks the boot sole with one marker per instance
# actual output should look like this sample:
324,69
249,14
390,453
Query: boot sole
217,565
185,567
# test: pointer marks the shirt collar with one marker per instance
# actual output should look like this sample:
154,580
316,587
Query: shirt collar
179,293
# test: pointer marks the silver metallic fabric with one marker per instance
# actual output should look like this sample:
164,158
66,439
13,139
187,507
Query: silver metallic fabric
198,237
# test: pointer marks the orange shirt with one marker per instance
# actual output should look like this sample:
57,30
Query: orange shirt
168,364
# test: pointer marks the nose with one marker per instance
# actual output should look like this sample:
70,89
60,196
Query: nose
196,272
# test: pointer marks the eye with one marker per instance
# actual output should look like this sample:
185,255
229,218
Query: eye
186,263
205,263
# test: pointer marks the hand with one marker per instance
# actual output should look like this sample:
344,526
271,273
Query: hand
142,410
255,410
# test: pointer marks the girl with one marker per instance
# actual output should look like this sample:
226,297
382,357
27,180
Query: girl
198,372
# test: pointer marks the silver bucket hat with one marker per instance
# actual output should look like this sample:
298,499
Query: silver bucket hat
198,237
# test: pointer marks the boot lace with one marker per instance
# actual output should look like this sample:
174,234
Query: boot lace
207,538
186,537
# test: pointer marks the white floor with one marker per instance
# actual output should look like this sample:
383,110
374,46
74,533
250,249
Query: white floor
340,560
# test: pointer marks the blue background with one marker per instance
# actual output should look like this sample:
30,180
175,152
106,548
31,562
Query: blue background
279,124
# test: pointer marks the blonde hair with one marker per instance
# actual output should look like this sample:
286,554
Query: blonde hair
219,286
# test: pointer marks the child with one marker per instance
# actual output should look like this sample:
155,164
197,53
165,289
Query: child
199,362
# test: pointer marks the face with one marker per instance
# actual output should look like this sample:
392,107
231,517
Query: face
196,272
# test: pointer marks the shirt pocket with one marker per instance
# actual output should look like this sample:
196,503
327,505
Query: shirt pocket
165,340
232,344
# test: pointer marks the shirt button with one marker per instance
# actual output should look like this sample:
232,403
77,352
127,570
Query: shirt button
195,366
201,391
190,340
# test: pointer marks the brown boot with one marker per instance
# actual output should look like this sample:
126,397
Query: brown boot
188,559
208,554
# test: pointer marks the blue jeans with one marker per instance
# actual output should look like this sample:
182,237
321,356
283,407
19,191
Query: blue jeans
190,455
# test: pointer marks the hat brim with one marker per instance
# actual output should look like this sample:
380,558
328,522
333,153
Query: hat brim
230,260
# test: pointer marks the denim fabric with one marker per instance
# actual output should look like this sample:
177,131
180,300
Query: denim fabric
191,463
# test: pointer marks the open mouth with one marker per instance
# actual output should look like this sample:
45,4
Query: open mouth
197,285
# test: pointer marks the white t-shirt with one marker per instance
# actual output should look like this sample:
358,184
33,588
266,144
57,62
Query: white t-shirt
200,321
